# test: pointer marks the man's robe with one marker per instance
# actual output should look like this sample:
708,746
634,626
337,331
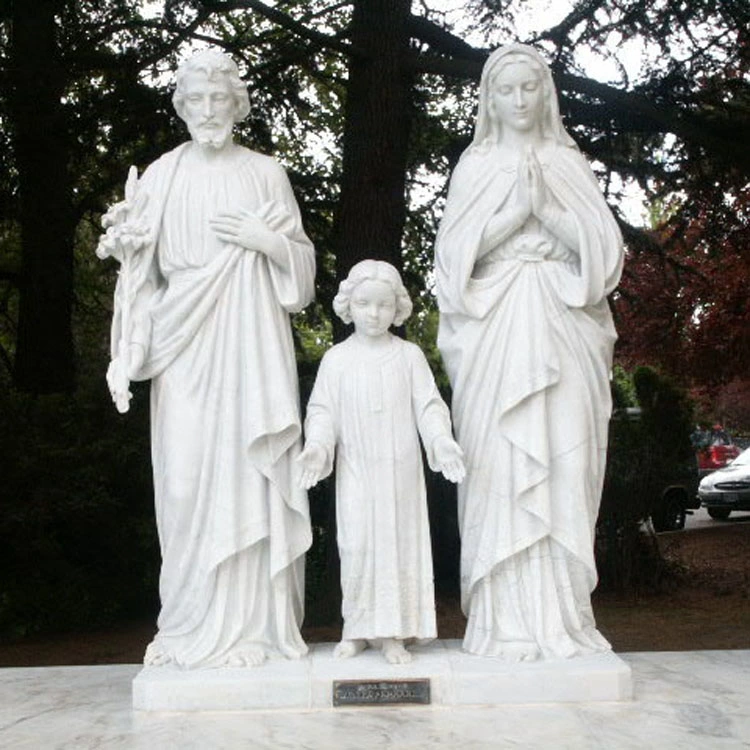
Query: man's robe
214,320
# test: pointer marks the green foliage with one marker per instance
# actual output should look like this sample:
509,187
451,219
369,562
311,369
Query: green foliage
626,556
667,417
623,390
649,450
77,534
422,329
322,565
77,541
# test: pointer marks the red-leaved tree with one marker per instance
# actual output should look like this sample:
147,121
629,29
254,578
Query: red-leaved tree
683,305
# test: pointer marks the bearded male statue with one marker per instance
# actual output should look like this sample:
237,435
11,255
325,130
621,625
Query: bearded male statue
213,259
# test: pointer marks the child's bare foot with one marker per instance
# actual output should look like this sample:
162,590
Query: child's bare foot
347,649
248,655
394,651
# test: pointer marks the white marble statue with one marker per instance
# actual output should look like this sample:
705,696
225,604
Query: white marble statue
526,255
373,398
213,259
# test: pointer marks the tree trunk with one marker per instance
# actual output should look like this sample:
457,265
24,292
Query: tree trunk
371,211
44,347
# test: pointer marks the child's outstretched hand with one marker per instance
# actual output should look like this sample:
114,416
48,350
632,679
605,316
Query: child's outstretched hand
313,461
450,459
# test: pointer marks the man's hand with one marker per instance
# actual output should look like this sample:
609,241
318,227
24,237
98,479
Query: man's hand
245,229
122,369
449,458
313,461
118,382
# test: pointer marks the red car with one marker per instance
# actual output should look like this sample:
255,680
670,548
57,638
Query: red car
714,449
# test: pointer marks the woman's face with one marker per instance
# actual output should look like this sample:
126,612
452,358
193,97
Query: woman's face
516,97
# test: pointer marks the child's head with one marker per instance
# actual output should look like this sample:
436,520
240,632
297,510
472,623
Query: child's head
372,270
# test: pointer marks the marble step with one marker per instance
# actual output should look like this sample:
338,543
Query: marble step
452,677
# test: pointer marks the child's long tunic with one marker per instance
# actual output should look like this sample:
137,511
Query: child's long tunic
370,406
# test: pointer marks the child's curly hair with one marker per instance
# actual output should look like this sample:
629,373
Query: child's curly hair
372,270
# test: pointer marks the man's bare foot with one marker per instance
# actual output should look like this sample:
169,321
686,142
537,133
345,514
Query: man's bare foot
347,649
249,655
156,655
394,651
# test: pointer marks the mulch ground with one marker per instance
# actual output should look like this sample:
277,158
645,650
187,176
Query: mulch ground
709,608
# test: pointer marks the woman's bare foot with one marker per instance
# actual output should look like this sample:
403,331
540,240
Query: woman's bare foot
347,649
519,651
394,651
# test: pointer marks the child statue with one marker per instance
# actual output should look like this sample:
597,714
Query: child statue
373,397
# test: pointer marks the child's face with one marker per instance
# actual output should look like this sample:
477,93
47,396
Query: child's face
373,308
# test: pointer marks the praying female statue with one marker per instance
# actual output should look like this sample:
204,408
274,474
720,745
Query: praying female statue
374,397
526,255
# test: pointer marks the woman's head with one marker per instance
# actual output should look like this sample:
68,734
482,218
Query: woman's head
517,92
375,275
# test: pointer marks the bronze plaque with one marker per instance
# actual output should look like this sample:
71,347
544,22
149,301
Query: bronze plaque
380,692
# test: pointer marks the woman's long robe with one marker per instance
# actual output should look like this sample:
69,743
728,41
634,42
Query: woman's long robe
526,335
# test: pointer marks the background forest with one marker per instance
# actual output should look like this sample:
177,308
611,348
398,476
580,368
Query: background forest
368,104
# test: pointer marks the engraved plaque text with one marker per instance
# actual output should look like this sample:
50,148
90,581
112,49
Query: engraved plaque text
380,692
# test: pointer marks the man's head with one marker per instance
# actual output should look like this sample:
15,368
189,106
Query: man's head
210,97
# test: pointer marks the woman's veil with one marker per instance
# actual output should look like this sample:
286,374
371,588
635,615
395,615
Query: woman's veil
552,125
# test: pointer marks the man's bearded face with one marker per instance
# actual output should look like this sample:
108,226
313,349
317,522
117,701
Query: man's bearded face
209,109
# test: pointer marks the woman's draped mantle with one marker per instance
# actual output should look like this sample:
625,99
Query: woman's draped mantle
501,337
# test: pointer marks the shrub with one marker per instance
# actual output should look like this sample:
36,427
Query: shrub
78,545
649,446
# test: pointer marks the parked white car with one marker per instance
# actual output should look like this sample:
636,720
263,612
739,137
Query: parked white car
727,489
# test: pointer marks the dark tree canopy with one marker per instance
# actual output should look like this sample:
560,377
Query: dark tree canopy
368,103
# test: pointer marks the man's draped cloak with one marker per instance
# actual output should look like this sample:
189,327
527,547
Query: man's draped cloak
213,318
370,408
526,335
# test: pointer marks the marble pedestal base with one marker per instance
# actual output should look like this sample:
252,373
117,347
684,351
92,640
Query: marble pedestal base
456,679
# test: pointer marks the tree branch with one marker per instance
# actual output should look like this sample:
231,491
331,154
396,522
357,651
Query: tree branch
666,118
558,34
453,67
442,41
639,238
660,116
286,22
